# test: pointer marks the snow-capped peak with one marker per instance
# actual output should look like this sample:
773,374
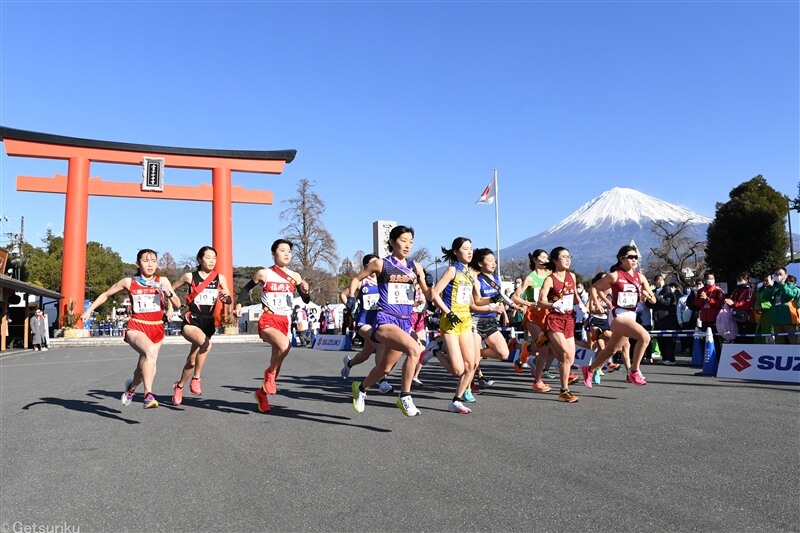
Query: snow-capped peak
620,206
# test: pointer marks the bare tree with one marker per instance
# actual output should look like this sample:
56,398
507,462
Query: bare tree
314,246
677,253
421,255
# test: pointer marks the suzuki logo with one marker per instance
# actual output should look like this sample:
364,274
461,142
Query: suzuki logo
741,361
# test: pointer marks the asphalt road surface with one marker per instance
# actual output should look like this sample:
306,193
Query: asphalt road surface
683,453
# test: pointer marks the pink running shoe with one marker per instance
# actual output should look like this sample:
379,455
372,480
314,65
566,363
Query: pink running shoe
195,386
177,396
587,376
636,378
460,408
269,382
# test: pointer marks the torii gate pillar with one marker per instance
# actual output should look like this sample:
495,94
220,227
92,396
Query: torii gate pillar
78,186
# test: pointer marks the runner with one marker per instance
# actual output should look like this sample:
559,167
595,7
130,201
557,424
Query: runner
558,295
627,287
485,316
206,287
454,292
527,296
367,308
279,284
150,296
392,328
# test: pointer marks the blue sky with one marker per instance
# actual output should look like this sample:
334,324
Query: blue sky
401,110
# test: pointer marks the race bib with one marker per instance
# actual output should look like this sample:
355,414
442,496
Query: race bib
146,303
536,291
627,299
371,302
401,294
207,297
280,303
463,294
568,301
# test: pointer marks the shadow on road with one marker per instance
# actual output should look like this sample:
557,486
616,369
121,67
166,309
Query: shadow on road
83,406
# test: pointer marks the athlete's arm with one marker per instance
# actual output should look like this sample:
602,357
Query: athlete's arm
436,292
258,278
517,298
224,291
123,284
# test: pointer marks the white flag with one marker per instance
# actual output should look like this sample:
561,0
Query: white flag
487,196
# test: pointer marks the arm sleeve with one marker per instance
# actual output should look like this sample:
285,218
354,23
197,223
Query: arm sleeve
245,292
306,297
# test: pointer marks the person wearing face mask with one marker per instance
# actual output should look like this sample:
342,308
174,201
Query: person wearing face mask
665,317
741,303
709,301
781,294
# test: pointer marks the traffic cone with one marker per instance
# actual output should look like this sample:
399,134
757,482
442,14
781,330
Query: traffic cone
697,349
709,356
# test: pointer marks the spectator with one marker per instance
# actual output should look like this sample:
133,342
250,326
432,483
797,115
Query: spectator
665,317
39,331
741,303
708,301
784,317
763,312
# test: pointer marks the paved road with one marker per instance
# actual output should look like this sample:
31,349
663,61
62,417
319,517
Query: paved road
684,453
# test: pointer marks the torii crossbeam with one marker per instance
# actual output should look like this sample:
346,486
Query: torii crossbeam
78,186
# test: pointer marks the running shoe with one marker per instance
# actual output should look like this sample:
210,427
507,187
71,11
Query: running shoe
548,375
406,404
359,398
345,372
127,394
415,382
587,376
384,387
600,373
262,400
572,379
468,397
669,362
458,407
540,386
525,366
567,397
485,383
177,396
150,402
195,386
269,382
597,375
637,378
612,367
517,367
429,352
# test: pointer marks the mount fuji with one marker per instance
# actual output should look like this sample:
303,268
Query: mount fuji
595,232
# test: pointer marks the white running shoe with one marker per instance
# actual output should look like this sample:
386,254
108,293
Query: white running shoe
384,387
415,382
345,372
127,396
406,404
460,408
359,398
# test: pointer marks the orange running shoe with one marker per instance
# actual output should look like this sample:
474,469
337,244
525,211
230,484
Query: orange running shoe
572,378
177,396
567,397
194,386
540,386
261,399
269,382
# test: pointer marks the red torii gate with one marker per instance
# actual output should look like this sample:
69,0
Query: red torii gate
78,186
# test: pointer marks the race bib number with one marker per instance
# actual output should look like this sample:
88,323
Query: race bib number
280,303
568,301
536,291
401,294
371,302
146,303
207,297
463,294
627,299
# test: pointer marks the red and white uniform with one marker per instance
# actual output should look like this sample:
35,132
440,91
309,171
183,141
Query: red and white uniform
564,291
147,308
277,296
625,294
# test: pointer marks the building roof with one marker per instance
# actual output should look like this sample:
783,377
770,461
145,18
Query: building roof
28,288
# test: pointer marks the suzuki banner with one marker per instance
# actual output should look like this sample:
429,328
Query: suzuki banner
761,362
334,343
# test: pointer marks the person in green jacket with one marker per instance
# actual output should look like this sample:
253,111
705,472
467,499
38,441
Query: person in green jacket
781,294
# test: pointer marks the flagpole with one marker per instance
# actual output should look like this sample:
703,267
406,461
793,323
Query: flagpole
497,221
